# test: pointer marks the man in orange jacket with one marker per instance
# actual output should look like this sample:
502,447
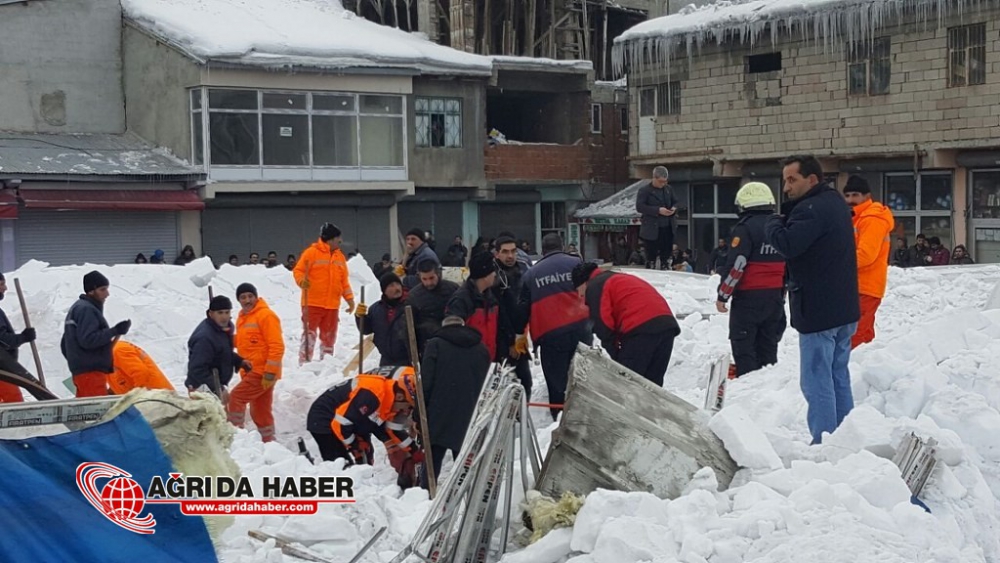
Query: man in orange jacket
134,368
322,274
873,224
259,341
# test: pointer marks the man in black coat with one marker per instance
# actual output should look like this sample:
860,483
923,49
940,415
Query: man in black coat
428,300
657,204
453,370
9,343
417,250
386,320
87,340
210,349
815,234
512,342
719,258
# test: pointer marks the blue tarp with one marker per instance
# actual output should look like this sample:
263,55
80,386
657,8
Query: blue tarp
45,518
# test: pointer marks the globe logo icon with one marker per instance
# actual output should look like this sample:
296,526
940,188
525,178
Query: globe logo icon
123,498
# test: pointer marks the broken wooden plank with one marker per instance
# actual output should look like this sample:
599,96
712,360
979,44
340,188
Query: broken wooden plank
621,432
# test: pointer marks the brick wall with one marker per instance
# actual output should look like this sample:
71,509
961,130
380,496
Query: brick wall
609,148
722,110
537,162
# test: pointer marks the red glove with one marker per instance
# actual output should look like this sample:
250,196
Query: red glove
362,451
397,458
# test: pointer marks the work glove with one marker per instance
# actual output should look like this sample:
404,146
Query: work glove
400,270
521,344
267,381
361,450
361,310
247,366
350,306
304,284
27,335
121,329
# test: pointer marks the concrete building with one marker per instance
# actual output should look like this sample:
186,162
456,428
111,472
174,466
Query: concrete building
302,115
904,98
75,187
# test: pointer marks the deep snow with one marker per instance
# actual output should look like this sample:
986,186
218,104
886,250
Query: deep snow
930,370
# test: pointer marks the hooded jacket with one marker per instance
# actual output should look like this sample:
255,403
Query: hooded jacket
873,224
259,340
328,276
453,370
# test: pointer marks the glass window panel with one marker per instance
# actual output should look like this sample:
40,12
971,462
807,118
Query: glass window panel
623,119
727,197
420,104
453,130
333,102
286,140
595,118
381,141
675,98
682,195
881,73
382,105
977,65
423,125
957,68
704,198
559,214
437,105
453,106
198,147
856,79
335,140
437,129
986,195
232,99
547,213
905,227
937,227
647,102
901,193
196,98
935,192
233,138
284,101
704,234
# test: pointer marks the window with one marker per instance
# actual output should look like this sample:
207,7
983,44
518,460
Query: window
768,62
967,55
713,215
623,120
668,98
554,218
263,129
647,102
438,122
869,68
986,194
595,118
921,204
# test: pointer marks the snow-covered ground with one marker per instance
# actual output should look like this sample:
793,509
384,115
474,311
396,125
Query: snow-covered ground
931,370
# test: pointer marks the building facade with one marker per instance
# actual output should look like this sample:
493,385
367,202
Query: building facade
910,106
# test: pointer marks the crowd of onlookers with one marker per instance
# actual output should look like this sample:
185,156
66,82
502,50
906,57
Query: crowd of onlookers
928,252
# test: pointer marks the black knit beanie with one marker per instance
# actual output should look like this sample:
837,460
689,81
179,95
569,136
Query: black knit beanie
245,288
582,272
94,280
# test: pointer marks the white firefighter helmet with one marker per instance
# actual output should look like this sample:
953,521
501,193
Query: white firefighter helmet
754,194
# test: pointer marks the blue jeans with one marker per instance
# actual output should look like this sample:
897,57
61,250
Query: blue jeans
825,378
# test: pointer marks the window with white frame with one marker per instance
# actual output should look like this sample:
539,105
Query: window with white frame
273,129
438,122
595,118
869,67
921,204
967,55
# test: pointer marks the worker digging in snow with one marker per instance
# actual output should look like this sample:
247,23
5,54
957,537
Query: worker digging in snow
259,341
380,402
210,351
322,274
10,341
134,369
87,338
754,278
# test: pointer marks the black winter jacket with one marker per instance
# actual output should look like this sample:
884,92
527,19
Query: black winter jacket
511,320
423,252
453,370
387,321
211,347
86,341
9,340
428,306
648,201
815,234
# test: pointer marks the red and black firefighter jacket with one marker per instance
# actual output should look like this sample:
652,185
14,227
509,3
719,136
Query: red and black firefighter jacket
622,305
479,310
549,299
753,267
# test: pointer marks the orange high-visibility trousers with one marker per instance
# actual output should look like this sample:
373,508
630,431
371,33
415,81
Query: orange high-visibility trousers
91,384
249,391
866,326
10,393
324,321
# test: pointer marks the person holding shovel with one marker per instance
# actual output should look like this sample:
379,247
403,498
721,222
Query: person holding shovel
259,340
88,340
322,274
211,357
10,341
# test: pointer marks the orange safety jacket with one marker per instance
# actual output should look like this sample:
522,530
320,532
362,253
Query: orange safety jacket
873,224
134,368
259,340
327,274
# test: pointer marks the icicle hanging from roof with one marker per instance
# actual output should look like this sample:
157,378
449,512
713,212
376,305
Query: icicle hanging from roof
832,22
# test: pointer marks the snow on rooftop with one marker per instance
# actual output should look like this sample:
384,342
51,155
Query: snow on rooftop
622,204
306,33
541,63
831,21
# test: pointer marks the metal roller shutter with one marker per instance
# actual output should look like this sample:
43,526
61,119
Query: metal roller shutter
100,237
518,218
444,219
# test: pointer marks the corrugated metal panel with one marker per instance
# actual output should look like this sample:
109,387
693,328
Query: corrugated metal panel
100,237
518,218
94,154
289,230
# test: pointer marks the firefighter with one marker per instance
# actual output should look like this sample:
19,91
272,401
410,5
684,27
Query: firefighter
754,278
135,369
259,341
343,419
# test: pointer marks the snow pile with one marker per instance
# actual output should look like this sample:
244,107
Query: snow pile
309,33
832,22
930,371
540,63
